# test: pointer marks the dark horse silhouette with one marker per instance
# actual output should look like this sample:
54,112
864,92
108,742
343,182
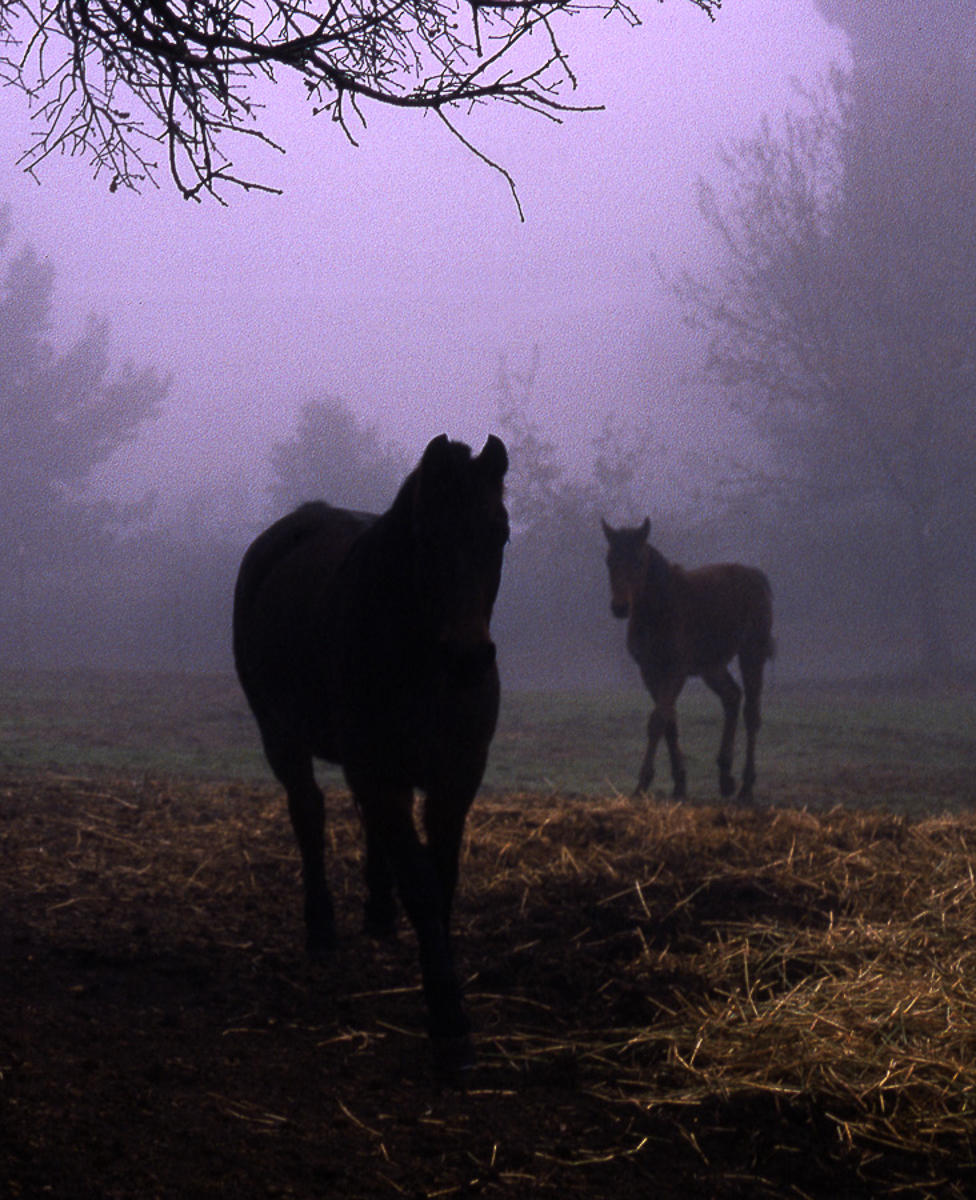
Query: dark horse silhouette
364,640
683,623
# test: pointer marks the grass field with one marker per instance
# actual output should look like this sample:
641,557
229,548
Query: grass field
818,746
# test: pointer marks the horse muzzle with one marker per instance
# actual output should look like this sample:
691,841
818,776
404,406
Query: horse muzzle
620,609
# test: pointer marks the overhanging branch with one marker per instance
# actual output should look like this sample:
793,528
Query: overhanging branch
112,79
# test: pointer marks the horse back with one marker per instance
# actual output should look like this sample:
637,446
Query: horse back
284,584
721,610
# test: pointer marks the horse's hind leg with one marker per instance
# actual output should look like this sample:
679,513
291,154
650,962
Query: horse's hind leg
729,692
294,769
752,679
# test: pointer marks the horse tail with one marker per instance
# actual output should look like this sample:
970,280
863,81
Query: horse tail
762,620
768,623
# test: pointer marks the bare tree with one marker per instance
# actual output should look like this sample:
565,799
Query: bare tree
842,324
115,79
553,615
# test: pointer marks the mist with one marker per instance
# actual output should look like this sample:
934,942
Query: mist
393,286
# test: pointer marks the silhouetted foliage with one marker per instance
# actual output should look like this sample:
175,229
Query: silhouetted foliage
181,575
843,323
62,414
553,620
336,457
115,80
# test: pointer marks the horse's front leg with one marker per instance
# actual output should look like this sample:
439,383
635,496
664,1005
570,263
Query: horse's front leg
445,813
655,727
388,814
678,774
663,721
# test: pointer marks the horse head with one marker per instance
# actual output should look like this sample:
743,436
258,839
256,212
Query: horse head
625,560
460,529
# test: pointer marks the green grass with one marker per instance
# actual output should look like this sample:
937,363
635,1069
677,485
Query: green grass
196,725
818,745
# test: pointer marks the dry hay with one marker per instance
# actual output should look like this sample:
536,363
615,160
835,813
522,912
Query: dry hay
770,958
714,1001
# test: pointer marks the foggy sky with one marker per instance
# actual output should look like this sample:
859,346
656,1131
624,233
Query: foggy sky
393,274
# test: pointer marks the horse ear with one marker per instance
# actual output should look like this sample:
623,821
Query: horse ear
494,457
607,531
645,529
435,447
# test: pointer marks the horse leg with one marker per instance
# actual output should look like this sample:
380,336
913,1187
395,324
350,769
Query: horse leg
729,692
380,909
294,769
445,813
388,814
752,680
678,774
663,720
655,727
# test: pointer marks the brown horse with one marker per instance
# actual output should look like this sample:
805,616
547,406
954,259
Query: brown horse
365,641
683,623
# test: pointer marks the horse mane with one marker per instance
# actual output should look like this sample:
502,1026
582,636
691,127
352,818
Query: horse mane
400,511
452,458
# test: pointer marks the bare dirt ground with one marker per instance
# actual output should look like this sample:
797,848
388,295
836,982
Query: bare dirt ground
668,1002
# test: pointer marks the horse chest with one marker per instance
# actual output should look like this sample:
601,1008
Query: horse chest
405,720
651,639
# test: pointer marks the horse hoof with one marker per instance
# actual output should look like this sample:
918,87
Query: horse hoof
454,1054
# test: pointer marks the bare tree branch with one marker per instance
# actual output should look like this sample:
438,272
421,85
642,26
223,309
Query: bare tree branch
840,319
113,80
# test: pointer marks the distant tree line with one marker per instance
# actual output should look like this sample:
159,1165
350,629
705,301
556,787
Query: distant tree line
85,583
62,414
842,327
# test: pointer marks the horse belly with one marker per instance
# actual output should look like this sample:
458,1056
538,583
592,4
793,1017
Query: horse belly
710,650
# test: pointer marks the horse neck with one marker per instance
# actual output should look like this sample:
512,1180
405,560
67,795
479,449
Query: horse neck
392,546
654,592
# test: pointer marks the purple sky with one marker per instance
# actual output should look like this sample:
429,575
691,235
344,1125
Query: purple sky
394,274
